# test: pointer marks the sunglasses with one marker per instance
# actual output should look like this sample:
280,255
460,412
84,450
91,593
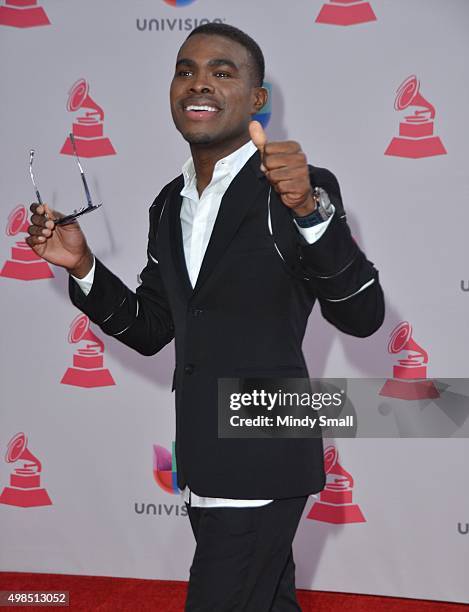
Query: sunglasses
76,213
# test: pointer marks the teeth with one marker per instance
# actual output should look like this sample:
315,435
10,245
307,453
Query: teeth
193,107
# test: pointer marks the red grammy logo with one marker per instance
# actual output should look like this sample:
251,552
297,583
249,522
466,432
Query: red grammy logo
416,137
346,12
24,263
22,14
87,370
409,380
87,129
25,481
335,503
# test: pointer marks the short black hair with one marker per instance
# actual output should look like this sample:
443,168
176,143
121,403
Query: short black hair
228,31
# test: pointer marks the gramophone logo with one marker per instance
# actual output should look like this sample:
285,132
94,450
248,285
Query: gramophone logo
88,361
263,116
25,488
416,138
88,128
345,12
22,14
335,503
409,380
164,469
24,264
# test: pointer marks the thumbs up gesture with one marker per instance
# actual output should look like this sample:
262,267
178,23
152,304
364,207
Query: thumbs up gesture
285,166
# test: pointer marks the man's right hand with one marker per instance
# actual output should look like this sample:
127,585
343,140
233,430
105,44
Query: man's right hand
62,245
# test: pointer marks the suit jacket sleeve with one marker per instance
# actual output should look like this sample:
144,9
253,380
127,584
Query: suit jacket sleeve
142,319
338,269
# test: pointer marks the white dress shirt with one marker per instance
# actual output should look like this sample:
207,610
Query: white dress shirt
198,216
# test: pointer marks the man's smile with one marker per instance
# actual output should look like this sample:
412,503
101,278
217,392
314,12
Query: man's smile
201,113
200,110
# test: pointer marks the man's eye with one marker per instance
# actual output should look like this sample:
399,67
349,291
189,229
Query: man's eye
223,75
184,73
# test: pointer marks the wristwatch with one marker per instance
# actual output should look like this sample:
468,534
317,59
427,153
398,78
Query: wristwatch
324,209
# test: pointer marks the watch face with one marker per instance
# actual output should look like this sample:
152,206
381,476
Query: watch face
323,201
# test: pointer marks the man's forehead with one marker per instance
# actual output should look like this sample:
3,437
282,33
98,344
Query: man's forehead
212,46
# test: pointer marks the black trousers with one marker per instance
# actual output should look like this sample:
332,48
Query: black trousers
243,560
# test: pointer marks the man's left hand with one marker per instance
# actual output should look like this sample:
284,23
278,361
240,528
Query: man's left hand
286,168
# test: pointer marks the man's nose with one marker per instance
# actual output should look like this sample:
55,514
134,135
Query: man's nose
201,85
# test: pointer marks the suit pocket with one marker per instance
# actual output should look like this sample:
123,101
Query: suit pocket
288,378
273,370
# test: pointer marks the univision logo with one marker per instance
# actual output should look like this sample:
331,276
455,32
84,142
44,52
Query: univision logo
463,528
164,468
165,476
173,25
179,3
159,509
464,285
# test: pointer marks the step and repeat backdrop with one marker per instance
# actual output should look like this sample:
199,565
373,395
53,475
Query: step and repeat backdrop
376,92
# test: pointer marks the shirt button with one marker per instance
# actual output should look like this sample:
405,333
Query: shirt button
189,368
196,312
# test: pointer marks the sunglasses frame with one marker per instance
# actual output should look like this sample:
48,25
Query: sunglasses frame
90,207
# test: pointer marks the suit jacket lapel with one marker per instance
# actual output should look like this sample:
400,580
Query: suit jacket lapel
237,200
175,238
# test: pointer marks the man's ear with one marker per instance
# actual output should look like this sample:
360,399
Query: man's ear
261,95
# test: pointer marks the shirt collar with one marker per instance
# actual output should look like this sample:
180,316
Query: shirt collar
228,166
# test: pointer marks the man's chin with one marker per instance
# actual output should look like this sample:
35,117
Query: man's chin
199,138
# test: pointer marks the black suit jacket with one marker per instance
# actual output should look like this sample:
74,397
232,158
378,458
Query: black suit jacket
246,316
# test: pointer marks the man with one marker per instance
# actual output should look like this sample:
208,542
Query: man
239,249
